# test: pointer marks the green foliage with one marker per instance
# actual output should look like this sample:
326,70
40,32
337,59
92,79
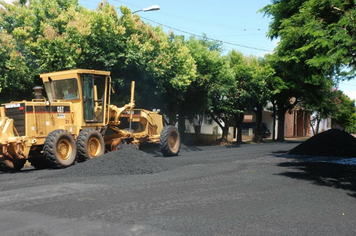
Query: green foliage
32,40
44,36
208,64
189,77
163,67
319,33
317,45
254,84
213,90
351,128
345,114
13,65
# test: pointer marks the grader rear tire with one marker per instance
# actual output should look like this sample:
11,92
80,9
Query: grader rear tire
60,149
90,144
169,141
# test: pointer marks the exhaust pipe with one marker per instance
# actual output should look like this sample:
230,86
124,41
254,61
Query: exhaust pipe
38,92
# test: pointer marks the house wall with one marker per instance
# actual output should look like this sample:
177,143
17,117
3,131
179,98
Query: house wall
325,124
268,119
289,125
206,128
296,124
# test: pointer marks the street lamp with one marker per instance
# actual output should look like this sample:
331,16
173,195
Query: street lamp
151,8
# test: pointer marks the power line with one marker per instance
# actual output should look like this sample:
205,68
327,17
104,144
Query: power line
208,23
197,20
196,35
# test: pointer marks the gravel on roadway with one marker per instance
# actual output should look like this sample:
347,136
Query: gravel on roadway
249,189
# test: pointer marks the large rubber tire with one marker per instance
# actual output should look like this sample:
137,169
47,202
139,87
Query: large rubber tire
90,144
38,162
169,141
60,149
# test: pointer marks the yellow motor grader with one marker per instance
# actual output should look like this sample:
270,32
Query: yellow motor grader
76,122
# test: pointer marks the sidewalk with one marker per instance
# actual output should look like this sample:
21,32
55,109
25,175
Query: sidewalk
299,139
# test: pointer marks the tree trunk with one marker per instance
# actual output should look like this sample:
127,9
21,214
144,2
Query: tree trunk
225,131
274,121
281,112
197,129
317,125
239,118
257,137
312,123
224,128
181,126
172,114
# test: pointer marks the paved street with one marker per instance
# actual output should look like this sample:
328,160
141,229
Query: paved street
238,190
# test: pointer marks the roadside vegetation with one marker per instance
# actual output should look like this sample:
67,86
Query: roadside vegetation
188,77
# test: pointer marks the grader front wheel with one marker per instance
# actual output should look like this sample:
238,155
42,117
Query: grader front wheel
60,149
170,141
90,144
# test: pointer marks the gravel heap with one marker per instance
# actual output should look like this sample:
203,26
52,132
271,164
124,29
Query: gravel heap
333,142
126,161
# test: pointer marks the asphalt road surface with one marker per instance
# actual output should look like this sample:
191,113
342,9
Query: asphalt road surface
238,190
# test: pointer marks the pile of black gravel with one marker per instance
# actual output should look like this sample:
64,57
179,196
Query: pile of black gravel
126,161
333,142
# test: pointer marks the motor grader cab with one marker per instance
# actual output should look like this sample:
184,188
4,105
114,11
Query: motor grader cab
75,122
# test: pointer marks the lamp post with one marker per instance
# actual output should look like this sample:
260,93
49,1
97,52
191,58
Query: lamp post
151,8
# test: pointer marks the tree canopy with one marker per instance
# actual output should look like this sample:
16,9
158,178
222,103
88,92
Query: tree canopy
320,33
188,77
316,48
43,35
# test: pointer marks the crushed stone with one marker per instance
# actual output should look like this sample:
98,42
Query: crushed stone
126,161
333,142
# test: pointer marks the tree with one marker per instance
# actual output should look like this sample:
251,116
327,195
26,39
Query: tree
44,35
253,77
205,53
346,113
162,65
323,32
280,97
238,63
221,98
259,86
13,65
336,106
316,44
326,107
351,127
215,84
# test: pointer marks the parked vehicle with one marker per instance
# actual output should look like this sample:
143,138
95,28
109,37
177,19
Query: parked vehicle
246,126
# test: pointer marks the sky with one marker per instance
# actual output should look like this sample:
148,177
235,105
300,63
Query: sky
236,23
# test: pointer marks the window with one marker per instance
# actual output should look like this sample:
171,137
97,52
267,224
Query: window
63,89
93,97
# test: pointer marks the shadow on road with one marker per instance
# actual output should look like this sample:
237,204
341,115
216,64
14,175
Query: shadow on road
281,153
323,174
